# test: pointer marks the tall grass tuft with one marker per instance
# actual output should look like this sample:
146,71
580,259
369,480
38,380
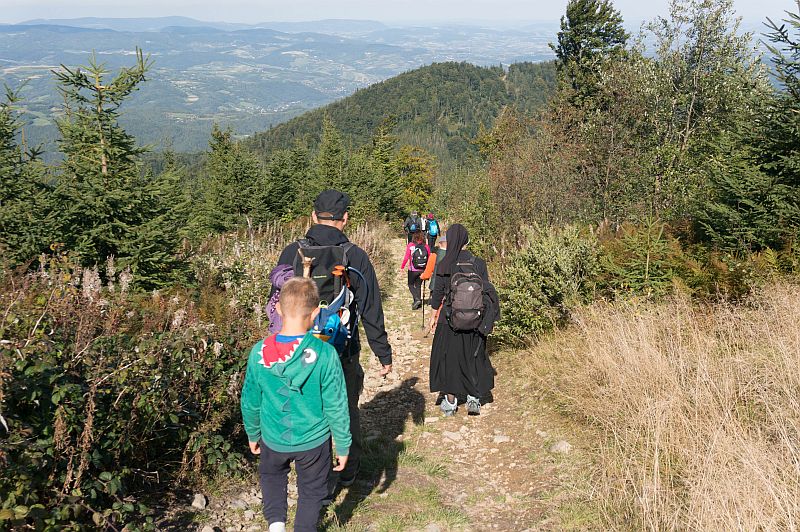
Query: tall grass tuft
700,407
375,237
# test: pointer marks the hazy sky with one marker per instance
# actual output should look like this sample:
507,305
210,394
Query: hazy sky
385,10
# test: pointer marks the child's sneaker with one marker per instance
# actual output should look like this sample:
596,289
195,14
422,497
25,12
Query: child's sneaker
278,526
473,406
448,408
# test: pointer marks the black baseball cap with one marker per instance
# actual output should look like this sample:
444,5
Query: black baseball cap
333,202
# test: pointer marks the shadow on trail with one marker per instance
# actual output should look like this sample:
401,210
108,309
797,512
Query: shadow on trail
383,419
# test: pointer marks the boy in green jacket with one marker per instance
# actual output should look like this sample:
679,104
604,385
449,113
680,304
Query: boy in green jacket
293,399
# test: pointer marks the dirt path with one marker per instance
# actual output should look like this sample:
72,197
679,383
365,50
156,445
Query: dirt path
421,471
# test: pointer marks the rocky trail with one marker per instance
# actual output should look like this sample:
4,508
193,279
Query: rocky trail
518,466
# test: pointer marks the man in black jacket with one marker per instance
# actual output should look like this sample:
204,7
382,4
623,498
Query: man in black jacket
330,217
412,224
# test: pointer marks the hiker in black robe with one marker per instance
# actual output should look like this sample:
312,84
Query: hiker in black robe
460,367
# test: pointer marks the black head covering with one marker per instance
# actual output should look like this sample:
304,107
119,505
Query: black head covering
457,238
332,201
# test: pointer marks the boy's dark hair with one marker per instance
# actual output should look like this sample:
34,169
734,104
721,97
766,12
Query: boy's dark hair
299,297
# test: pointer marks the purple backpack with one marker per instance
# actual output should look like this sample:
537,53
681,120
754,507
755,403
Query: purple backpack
278,277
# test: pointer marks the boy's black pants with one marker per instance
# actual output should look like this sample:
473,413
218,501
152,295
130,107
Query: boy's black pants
312,466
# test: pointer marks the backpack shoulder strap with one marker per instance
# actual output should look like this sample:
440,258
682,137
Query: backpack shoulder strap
346,247
469,263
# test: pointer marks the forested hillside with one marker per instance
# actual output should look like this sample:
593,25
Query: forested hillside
438,107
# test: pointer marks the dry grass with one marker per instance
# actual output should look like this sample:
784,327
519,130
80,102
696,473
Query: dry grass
700,406
376,238
241,262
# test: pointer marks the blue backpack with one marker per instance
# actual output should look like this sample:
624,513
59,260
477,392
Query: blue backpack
338,316
433,228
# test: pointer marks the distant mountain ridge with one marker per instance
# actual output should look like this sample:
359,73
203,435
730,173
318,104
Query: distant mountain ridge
147,24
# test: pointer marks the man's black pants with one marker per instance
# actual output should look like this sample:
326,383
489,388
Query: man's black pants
354,381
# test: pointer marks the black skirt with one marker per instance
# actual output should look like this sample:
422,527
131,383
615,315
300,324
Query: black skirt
460,364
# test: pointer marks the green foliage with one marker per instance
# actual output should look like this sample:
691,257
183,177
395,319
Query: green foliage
330,162
707,80
380,178
780,148
785,48
27,224
234,192
746,209
438,108
640,260
108,395
106,206
551,274
287,173
591,34
416,169
751,202
465,196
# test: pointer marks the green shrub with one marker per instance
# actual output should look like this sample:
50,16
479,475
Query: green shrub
551,274
640,260
647,260
107,395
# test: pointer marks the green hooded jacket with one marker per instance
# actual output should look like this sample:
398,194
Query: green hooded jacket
296,404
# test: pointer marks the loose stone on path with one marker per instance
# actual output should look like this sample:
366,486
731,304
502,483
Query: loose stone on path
199,502
561,447
453,436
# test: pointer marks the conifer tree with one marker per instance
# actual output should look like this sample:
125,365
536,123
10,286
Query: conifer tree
385,188
591,33
108,205
282,183
363,187
234,191
300,170
746,209
752,198
781,149
330,162
27,218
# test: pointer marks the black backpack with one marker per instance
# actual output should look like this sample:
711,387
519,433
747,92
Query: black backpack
325,259
419,257
465,303
329,268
